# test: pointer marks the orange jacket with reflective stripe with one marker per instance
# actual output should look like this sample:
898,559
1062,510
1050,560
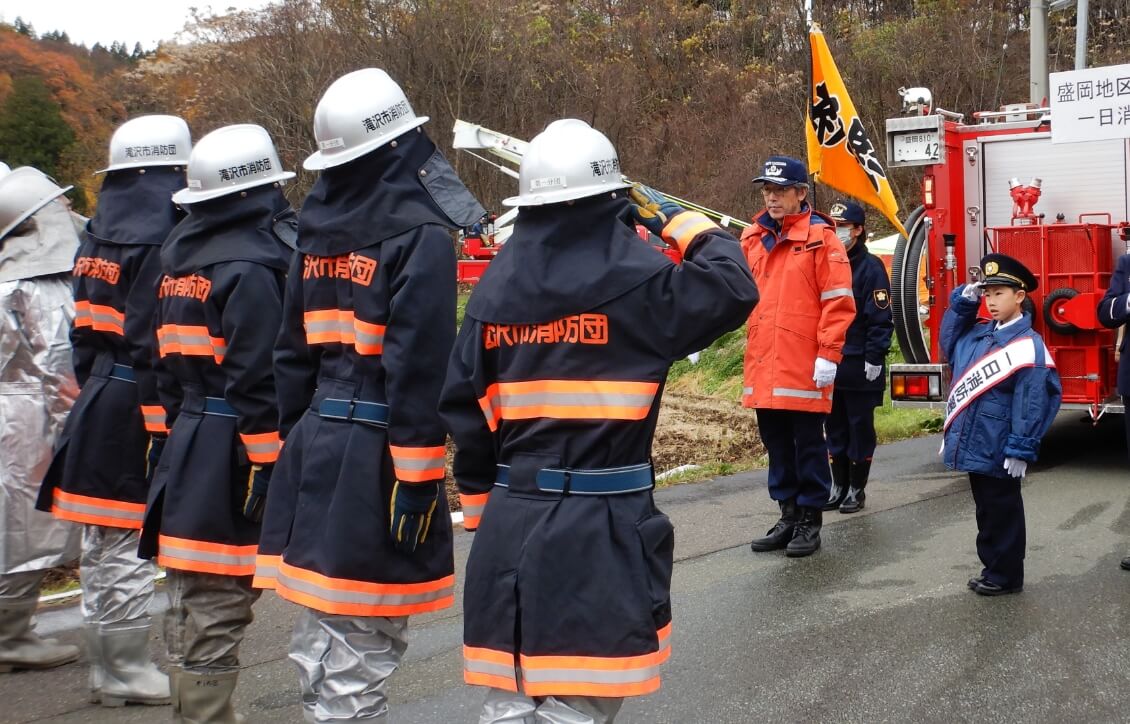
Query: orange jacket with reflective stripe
807,305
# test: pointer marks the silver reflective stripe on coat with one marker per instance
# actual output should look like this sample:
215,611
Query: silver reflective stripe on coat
576,399
790,392
833,293
358,597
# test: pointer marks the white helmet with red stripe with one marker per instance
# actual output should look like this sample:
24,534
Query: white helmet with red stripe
568,160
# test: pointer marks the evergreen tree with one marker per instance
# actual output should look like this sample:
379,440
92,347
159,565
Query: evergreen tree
32,129
24,28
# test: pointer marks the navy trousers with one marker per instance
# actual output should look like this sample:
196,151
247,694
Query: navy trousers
851,425
798,456
1000,528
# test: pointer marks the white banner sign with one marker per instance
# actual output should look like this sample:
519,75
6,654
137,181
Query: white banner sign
1090,104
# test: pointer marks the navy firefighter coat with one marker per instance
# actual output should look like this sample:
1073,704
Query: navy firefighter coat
368,325
1113,313
552,397
869,336
220,306
98,474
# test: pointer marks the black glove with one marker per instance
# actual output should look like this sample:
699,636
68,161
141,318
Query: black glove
257,492
412,507
153,455
652,209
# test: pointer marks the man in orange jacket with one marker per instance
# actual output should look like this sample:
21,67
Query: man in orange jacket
794,344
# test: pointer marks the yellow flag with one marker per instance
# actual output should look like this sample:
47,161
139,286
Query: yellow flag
840,154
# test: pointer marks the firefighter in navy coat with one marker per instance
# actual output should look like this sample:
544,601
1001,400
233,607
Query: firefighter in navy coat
552,397
1114,312
357,529
850,427
111,442
219,310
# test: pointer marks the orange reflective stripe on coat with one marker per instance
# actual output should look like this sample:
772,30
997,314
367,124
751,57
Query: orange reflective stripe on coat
154,416
99,317
613,676
568,400
684,227
97,511
266,571
473,506
190,341
328,326
205,557
348,597
262,448
418,464
488,667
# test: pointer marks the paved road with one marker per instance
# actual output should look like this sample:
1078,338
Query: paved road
877,627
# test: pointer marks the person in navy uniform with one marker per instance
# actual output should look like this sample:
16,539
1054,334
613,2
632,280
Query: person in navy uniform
1114,311
850,428
552,397
1003,398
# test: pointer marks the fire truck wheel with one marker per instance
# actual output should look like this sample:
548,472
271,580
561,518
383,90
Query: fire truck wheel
1053,313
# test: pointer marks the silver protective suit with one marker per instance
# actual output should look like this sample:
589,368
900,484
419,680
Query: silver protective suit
117,586
505,707
37,384
343,664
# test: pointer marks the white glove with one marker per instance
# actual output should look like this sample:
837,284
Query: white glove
872,372
1015,467
824,373
973,291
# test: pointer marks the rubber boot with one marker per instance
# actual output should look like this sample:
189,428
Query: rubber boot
781,533
840,471
20,647
94,659
206,698
806,537
853,503
175,674
129,676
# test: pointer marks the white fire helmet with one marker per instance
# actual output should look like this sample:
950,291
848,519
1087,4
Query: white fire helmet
149,141
231,159
23,192
5,169
568,160
360,112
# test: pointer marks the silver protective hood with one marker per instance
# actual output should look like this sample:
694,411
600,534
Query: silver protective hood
47,247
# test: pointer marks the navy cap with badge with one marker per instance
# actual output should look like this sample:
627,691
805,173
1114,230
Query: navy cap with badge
782,171
1003,269
848,212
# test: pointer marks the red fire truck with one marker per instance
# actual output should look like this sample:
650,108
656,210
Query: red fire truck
996,182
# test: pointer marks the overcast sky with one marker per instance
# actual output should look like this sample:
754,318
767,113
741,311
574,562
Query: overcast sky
104,21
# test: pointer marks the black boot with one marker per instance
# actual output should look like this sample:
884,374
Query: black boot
840,467
853,503
806,536
780,534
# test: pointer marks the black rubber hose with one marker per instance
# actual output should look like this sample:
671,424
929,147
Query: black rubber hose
905,274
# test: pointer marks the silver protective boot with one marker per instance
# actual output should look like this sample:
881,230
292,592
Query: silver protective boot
205,698
129,676
507,707
94,659
21,648
578,710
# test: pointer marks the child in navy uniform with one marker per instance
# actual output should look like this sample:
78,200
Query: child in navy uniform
1004,396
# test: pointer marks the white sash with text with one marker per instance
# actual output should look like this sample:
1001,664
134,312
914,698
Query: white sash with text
989,371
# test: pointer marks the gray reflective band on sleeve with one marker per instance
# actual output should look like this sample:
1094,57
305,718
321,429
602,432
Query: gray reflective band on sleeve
833,293
789,392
